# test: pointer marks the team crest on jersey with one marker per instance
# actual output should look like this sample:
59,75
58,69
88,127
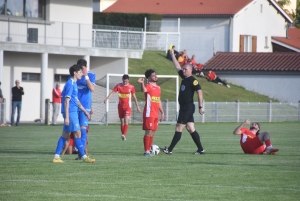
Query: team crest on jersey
195,82
182,88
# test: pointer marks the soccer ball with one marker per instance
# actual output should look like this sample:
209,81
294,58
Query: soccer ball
154,149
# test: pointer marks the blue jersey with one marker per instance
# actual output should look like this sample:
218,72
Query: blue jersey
70,91
84,94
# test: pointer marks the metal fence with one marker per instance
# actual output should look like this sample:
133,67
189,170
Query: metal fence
214,112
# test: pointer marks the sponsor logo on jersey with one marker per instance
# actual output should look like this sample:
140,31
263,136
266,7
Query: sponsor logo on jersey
123,95
155,99
195,82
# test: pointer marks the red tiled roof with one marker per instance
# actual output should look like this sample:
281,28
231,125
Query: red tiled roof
248,61
179,7
293,38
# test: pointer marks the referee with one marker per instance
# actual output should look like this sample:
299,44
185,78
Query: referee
187,108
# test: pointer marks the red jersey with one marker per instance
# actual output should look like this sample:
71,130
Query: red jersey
211,75
250,143
56,95
124,92
152,101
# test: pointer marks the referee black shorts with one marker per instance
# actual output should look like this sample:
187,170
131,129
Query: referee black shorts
186,113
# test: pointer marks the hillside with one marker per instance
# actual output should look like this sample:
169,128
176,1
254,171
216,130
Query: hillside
211,92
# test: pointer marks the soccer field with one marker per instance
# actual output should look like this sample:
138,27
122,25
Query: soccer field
121,172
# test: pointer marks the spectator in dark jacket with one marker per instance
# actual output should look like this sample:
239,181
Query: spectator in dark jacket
169,53
17,93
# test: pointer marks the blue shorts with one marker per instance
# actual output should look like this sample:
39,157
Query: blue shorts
74,122
83,120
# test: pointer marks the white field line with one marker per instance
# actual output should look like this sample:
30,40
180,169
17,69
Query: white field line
157,184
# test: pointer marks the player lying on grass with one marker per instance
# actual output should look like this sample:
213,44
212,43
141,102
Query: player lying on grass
252,141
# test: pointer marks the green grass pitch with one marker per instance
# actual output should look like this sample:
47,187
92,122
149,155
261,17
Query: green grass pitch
121,172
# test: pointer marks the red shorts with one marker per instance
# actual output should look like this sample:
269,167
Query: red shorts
150,123
253,146
124,112
71,142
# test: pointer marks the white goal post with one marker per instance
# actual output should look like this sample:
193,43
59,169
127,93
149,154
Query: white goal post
171,109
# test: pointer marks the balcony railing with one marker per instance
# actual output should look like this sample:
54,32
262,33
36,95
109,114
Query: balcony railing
70,34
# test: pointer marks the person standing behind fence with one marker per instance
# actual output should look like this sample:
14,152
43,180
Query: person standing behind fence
17,93
56,101
1,95
189,85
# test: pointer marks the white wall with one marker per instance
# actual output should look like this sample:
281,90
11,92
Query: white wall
285,88
251,21
75,11
103,65
202,36
105,4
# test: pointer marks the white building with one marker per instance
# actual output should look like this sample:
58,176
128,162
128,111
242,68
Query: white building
38,44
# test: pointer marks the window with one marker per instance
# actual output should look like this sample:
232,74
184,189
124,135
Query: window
61,78
266,42
96,5
261,8
23,8
31,77
248,43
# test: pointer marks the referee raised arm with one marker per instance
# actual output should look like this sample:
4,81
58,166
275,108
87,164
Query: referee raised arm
188,86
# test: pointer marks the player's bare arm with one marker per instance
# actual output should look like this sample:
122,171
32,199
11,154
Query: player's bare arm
143,88
161,112
108,97
175,62
90,85
83,110
238,131
200,101
136,103
67,103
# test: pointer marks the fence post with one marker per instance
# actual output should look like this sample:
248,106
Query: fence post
3,111
270,111
79,35
298,110
47,111
203,115
166,109
237,110
216,112
62,33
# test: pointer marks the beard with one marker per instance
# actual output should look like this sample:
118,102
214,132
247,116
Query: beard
252,128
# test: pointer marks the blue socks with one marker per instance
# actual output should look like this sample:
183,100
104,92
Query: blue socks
83,137
60,145
79,146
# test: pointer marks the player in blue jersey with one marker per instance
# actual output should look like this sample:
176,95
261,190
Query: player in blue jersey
86,85
69,110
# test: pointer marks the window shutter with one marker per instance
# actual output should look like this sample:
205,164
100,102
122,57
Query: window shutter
242,43
254,43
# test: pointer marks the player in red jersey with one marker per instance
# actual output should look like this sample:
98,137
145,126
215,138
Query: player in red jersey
252,142
151,109
125,90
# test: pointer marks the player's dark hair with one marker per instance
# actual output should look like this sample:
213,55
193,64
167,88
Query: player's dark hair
257,133
82,62
149,72
125,77
74,68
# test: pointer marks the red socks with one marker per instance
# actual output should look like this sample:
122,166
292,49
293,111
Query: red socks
268,143
124,129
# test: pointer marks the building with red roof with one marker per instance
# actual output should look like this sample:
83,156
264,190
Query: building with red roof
290,43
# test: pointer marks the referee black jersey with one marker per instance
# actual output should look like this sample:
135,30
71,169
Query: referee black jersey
187,88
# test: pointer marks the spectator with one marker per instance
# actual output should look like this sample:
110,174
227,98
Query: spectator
169,53
17,93
252,142
197,70
56,101
212,76
1,95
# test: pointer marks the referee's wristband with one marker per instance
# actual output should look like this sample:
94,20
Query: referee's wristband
200,107
86,77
